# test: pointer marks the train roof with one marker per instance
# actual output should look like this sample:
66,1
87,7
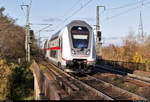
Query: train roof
55,35
77,22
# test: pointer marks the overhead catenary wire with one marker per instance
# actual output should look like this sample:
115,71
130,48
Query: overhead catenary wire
125,6
114,16
70,9
43,28
30,3
115,8
119,14
58,26
23,12
124,12
89,1
19,3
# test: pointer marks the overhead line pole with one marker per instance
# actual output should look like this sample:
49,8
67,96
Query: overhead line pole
98,34
140,29
27,38
42,30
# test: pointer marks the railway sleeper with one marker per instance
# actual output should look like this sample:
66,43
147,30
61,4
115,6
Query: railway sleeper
65,84
96,92
121,91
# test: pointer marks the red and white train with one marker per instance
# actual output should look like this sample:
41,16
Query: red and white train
72,48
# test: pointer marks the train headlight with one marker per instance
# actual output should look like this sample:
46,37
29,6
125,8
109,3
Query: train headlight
73,51
88,52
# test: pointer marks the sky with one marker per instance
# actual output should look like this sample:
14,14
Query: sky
116,21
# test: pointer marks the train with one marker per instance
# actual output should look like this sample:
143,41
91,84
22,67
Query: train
72,48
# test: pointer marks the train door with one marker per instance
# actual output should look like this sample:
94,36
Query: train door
59,52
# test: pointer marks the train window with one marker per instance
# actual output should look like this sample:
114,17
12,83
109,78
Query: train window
53,53
49,44
80,37
59,42
50,53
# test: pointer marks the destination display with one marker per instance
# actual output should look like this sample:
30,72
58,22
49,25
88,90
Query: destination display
75,36
79,32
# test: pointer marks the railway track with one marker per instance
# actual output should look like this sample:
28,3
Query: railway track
130,77
115,92
75,88
134,85
143,79
89,87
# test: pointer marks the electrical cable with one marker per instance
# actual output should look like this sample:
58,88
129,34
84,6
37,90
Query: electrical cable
21,3
125,6
30,4
58,26
71,8
122,13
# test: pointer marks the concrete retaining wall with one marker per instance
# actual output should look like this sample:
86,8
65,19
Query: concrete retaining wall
44,89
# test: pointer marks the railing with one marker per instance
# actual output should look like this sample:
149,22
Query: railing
43,86
124,66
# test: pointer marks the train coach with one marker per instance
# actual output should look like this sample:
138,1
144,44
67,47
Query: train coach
72,48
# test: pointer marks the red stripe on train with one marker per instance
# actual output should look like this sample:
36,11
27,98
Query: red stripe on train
53,48
56,48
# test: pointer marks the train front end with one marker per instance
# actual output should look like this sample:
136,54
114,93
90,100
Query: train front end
82,47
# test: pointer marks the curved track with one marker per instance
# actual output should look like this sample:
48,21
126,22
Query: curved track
125,81
74,87
136,77
111,90
131,77
90,86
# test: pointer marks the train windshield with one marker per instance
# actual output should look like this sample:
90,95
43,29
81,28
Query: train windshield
80,37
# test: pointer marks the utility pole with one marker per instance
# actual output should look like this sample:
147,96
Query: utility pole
39,40
98,35
140,29
27,39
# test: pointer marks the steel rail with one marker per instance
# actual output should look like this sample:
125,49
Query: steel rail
132,95
133,76
97,92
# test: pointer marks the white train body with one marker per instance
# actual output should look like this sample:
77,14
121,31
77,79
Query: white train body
72,48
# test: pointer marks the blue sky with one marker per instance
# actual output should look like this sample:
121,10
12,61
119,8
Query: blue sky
120,16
